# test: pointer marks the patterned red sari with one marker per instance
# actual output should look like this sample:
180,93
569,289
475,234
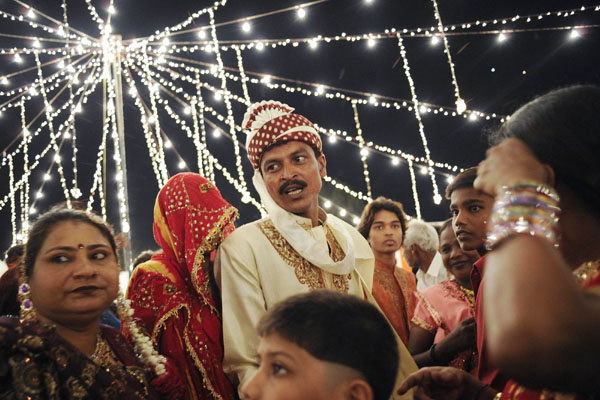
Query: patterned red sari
172,295
588,276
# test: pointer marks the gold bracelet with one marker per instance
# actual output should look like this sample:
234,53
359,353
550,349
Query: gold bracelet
498,396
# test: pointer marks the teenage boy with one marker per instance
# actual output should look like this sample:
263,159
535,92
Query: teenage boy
471,209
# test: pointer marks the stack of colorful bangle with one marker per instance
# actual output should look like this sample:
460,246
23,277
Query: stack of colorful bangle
527,207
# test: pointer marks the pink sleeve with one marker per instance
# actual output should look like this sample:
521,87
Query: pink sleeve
425,315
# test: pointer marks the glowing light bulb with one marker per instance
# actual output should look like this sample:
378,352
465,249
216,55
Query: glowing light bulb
372,99
246,27
371,42
327,204
168,144
313,44
501,37
450,179
47,177
320,89
332,139
437,199
434,40
132,92
266,79
36,44
260,46
395,161
151,119
356,220
166,42
112,10
364,152
39,195
181,164
202,34
187,110
57,158
301,13
423,109
108,28
18,58
473,117
4,81
574,34
423,170
32,210
218,96
343,212
61,64
216,133
31,14
461,106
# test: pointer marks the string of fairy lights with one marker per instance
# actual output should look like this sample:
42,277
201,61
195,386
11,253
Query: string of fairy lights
163,79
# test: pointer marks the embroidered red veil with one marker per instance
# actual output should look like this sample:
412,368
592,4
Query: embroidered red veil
171,294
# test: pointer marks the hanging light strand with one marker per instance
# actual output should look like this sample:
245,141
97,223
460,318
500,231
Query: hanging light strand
460,103
413,184
363,150
49,118
437,198
227,98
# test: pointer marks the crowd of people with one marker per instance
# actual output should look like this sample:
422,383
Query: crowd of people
500,301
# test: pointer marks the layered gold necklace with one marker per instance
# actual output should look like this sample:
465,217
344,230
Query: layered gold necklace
103,354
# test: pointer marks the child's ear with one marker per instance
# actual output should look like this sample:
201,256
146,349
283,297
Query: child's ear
358,389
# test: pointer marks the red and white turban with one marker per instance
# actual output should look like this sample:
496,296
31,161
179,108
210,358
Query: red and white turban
270,122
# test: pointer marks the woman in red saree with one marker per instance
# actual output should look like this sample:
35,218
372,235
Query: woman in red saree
172,295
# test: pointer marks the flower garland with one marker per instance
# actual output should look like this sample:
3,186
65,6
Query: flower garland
142,343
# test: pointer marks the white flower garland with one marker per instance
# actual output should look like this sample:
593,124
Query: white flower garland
142,343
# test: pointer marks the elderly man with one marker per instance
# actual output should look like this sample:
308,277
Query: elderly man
297,248
420,250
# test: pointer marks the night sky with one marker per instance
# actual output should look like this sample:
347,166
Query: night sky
494,77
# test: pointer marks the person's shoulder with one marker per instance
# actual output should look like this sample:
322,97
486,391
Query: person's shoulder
154,269
243,233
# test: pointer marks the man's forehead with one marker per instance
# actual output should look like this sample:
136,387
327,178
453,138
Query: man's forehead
468,195
284,149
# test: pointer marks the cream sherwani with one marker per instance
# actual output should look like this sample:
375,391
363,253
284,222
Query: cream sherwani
257,268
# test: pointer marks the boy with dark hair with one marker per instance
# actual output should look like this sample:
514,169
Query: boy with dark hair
383,224
324,345
471,209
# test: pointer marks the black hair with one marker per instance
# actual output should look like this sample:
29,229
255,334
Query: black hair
144,256
44,224
339,328
562,129
380,203
463,180
15,253
447,223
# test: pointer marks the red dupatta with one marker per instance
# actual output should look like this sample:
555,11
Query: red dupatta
171,294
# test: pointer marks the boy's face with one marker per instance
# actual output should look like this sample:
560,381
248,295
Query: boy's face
288,372
470,210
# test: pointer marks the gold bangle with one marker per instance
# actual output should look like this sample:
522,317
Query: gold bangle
498,396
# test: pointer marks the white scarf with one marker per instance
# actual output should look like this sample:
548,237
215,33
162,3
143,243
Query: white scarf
301,240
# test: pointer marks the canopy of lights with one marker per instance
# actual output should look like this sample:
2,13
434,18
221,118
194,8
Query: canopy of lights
181,93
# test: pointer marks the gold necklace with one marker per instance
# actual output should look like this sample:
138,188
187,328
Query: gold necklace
469,293
103,355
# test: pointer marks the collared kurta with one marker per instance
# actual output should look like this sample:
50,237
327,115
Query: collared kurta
394,288
257,268
436,273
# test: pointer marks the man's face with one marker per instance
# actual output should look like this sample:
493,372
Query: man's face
411,256
385,235
288,372
293,175
470,210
